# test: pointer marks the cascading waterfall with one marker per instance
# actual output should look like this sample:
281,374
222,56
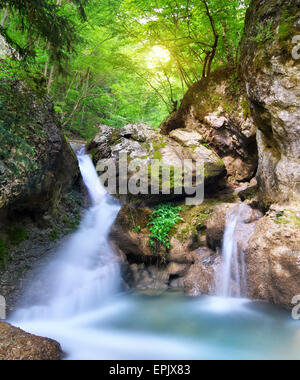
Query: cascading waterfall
233,266
85,271
76,301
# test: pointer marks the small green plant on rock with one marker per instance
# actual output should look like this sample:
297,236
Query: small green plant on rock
163,218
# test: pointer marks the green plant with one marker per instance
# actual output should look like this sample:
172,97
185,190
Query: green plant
279,215
17,235
264,33
137,229
163,218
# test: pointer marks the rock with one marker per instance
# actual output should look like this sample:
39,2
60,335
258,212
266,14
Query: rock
273,256
187,138
142,145
200,279
217,223
248,191
130,239
272,80
53,166
221,115
16,344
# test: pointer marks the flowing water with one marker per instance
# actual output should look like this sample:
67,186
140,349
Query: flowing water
76,300
234,271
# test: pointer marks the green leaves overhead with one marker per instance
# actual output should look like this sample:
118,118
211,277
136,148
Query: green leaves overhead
121,61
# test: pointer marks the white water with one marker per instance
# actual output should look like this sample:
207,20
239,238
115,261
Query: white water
234,270
85,271
75,300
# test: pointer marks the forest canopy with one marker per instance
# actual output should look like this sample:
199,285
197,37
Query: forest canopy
120,61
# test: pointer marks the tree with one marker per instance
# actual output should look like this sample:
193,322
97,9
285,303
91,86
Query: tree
42,20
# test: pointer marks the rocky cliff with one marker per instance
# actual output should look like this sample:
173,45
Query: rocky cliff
217,109
273,86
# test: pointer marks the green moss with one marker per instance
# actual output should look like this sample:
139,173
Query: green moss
3,253
53,235
246,108
286,27
17,235
157,155
287,217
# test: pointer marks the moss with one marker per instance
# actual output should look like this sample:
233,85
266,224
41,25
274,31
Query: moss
287,217
246,108
53,235
286,27
157,155
3,253
17,235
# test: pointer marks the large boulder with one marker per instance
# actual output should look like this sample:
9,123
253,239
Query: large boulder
16,344
142,144
216,112
273,256
272,80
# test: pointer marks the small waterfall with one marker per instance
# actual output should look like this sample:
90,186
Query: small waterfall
233,281
85,271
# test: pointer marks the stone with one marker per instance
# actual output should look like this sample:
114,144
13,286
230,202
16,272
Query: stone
217,223
273,256
143,145
16,344
187,138
273,87
222,119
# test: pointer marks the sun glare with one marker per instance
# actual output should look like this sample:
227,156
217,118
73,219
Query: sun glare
158,55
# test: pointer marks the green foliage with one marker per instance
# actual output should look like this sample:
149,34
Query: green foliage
16,117
286,25
17,235
164,217
134,60
50,21
137,229
264,33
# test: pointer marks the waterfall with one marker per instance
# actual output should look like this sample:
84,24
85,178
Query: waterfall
85,271
233,281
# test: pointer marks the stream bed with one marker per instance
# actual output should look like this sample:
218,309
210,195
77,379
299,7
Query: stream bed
172,326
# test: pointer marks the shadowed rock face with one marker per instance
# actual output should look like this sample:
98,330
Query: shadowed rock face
217,110
142,144
16,344
53,163
273,86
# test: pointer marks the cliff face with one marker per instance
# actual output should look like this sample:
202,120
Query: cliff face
273,86
39,163
217,108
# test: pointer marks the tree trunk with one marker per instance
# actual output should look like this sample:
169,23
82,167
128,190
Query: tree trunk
50,79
